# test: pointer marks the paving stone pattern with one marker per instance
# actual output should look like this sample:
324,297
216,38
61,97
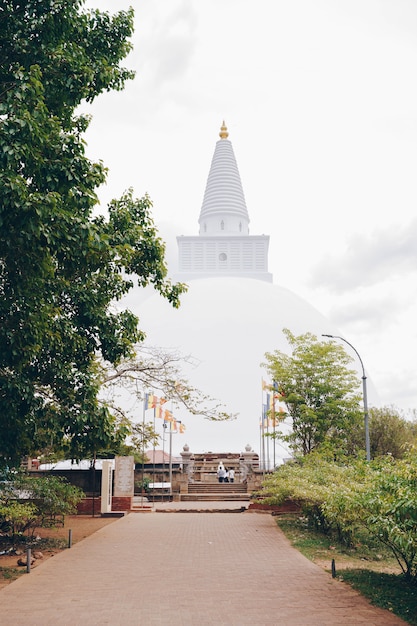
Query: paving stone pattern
185,569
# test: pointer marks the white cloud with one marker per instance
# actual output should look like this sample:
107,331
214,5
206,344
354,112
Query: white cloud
370,258
321,104
168,46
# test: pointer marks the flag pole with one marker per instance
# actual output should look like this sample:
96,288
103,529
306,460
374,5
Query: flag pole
153,467
261,430
268,408
263,440
260,443
170,460
273,424
163,452
145,401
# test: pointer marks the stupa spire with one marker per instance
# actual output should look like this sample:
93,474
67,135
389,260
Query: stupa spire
224,211
223,134
223,246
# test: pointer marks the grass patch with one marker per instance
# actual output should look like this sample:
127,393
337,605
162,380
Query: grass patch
10,573
387,591
319,546
378,582
49,543
45,543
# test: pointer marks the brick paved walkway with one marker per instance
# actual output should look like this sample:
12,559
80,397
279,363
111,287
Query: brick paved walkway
185,569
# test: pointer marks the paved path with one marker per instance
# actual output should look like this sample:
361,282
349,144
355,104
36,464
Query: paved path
185,569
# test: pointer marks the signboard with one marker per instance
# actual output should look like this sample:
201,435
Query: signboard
124,477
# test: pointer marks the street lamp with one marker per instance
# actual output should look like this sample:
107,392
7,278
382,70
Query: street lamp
365,397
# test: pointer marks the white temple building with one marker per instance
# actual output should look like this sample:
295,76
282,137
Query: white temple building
224,246
230,317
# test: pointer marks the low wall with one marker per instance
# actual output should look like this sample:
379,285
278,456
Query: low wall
92,506
90,480
276,509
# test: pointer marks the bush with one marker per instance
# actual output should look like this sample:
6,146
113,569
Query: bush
355,497
16,518
28,503
390,509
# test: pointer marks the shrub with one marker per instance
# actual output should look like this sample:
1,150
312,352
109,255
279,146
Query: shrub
389,509
28,503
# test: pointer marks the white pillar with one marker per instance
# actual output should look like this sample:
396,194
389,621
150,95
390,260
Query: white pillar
106,486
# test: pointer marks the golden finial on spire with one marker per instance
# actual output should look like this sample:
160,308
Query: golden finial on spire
223,134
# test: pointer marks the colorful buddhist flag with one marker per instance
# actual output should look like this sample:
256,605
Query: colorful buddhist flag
264,422
268,401
182,428
168,417
150,401
146,401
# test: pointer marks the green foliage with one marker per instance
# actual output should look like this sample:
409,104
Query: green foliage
143,485
386,591
352,497
390,432
79,52
16,518
27,503
319,391
53,495
314,481
61,268
10,573
389,509
315,544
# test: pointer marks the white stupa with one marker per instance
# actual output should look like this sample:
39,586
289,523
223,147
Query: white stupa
231,315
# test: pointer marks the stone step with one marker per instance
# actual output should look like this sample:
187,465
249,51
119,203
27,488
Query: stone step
141,505
221,497
141,509
217,488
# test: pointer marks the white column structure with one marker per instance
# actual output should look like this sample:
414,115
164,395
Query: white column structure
224,246
106,486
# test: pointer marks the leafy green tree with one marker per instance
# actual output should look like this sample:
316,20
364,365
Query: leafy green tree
142,436
61,268
385,505
322,487
389,508
375,501
319,392
390,432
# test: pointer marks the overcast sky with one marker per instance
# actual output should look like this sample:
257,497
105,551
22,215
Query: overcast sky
320,99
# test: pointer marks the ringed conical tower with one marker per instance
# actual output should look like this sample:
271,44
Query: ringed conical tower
227,321
224,246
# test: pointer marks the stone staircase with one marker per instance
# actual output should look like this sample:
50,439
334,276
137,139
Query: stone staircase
215,491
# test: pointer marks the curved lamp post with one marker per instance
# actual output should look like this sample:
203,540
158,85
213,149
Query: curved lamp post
365,397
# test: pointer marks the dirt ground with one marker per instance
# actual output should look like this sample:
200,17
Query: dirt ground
342,563
81,526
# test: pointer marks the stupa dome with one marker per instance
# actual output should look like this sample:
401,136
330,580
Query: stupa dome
226,325
231,316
